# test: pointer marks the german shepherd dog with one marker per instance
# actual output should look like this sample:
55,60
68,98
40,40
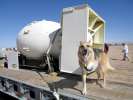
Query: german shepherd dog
89,63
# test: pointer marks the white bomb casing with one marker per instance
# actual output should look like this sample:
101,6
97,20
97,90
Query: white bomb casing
34,39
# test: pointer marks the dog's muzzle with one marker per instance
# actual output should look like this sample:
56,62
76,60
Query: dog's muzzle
84,52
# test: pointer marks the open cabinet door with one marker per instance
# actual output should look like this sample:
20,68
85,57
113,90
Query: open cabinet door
96,29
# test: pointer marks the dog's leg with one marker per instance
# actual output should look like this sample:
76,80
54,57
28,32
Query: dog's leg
103,73
84,84
104,80
98,74
98,78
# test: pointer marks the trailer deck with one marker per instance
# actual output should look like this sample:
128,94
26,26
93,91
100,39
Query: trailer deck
37,85
26,80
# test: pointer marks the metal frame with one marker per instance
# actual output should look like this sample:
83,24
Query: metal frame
39,92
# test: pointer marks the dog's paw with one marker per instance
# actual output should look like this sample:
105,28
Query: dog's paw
56,95
84,92
104,86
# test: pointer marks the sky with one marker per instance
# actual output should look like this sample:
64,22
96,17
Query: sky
15,14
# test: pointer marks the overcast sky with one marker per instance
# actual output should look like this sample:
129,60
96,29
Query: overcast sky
15,14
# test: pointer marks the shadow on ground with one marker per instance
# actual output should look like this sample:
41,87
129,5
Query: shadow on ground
68,81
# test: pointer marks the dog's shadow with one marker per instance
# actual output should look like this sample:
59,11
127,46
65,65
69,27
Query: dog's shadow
65,82
68,81
96,81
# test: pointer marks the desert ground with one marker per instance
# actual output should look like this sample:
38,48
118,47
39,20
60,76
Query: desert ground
119,82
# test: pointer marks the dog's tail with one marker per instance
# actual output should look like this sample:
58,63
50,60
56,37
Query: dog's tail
104,59
110,67
106,50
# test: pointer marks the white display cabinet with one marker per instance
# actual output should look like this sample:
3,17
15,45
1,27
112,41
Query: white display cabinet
79,23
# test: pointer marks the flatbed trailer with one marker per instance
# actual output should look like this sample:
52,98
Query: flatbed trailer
33,85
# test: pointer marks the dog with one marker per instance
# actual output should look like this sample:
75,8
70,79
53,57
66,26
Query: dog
91,63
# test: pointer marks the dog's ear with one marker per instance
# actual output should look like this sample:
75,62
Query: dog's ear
90,43
81,42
